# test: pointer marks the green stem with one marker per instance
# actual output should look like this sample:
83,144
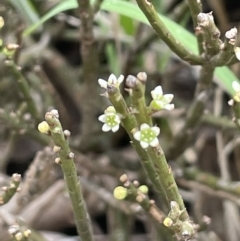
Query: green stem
226,55
25,89
157,157
119,225
129,123
195,7
165,34
12,188
195,111
236,110
221,122
210,33
212,181
74,188
90,63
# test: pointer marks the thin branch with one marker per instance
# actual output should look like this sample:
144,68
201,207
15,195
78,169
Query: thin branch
195,7
66,161
162,31
90,68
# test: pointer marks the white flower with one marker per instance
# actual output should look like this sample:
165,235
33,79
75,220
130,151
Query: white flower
236,96
161,101
147,136
112,80
111,119
236,86
231,102
237,53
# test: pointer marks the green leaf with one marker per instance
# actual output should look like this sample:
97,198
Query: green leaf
27,10
224,75
61,7
127,24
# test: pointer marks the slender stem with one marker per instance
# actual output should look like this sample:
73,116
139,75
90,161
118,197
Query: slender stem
165,34
212,181
119,225
97,5
12,188
226,55
210,33
195,7
221,122
25,89
156,155
66,161
89,57
195,111
129,123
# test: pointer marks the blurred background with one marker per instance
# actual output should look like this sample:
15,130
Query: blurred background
51,60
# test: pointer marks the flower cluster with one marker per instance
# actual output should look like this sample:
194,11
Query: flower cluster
147,135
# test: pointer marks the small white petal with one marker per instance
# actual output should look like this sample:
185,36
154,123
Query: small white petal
144,126
144,144
115,128
102,118
102,83
137,135
236,86
156,130
237,52
157,92
169,107
154,142
117,118
120,79
231,102
168,97
106,127
112,79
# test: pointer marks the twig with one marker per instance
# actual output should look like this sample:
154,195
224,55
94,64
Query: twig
220,122
90,68
220,11
12,188
25,89
118,225
195,7
66,161
164,33
226,55
105,195
212,181
193,117
230,210
97,5
195,185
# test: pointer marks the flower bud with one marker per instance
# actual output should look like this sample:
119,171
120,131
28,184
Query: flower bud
143,189
167,222
120,193
1,22
43,127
